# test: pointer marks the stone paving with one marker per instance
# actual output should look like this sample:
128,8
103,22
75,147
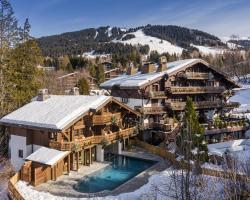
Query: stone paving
64,184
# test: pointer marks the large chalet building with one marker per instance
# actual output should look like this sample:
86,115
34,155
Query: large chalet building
54,134
159,92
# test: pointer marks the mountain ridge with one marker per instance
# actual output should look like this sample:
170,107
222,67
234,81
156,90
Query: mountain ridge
108,39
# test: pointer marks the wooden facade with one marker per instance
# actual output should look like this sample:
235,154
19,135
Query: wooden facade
110,123
164,98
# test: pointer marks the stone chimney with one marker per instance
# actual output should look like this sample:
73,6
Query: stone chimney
162,64
43,94
74,91
148,68
131,69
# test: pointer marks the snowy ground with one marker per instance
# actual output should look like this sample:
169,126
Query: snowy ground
159,187
155,44
208,50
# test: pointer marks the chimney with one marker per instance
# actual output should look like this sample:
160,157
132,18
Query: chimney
43,94
74,91
162,64
148,68
131,70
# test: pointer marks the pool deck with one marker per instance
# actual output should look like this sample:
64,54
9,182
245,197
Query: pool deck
63,186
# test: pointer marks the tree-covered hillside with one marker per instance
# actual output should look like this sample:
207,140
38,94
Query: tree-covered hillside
100,39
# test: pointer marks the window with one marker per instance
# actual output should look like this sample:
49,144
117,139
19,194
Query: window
20,153
124,100
51,135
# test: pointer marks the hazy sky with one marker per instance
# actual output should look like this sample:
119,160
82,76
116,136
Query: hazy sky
219,17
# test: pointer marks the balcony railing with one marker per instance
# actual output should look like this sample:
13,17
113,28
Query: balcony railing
151,110
88,141
156,94
197,105
225,130
197,75
195,90
160,126
231,104
104,118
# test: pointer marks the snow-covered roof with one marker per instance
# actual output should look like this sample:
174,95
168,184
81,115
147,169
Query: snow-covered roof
137,80
47,156
56,112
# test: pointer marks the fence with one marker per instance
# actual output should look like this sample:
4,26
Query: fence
12,190
180,164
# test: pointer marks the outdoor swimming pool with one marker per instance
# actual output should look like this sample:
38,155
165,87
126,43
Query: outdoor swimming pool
122,169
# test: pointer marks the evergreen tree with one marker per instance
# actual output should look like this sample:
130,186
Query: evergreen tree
100,77
83,86
191,140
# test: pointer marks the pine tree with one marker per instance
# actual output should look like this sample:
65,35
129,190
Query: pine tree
83,86
191,141
99,74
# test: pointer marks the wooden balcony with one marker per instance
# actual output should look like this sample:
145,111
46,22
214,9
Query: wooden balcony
151,110
157,94
195,90
80,143
160,126
104,118
225,130
197,76
197,105
231,105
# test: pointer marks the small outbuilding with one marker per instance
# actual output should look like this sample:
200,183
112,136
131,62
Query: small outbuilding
45,164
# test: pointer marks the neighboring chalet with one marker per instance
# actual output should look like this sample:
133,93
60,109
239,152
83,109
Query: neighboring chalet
54,134
68,81
160,91
110,72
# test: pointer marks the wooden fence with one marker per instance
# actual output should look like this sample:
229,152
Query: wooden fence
12,190
180,164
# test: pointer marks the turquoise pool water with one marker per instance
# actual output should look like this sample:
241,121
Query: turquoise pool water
121,170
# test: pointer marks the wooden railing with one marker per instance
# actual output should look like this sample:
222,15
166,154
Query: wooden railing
195,90
197,75
156,94
163,127
231,104
12,190
151,110
198,105
225,130
80,143
105,118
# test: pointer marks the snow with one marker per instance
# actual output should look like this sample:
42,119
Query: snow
93,55
155,44
208,50
55,112
240,149
157,187
109,31
137,80
41,156
96,34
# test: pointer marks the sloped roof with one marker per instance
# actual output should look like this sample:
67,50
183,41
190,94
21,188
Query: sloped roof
139,80
56,112
47,156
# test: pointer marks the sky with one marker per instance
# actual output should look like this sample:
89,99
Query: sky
219,17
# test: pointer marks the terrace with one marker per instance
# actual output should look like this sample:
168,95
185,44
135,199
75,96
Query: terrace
82,142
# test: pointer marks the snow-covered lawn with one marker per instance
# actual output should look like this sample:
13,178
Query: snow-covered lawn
160,186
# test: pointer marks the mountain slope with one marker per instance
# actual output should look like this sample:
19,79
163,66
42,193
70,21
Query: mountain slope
170,39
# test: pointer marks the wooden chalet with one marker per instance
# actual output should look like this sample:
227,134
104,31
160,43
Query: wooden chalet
54,134
159,92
